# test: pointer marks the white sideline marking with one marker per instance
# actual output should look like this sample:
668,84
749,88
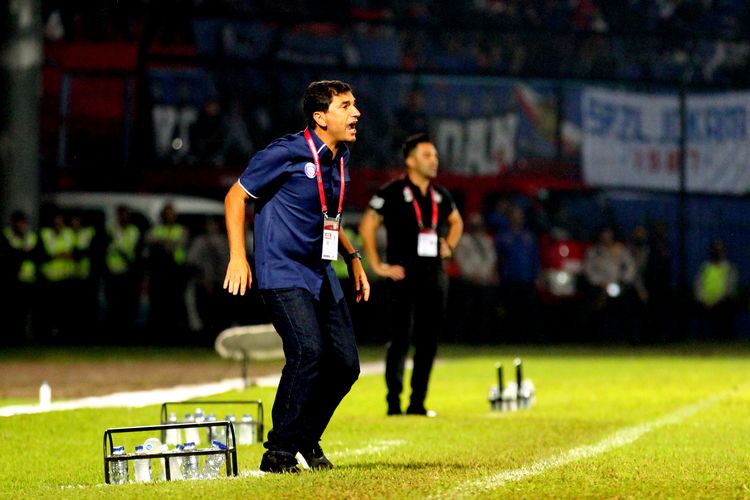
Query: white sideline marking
373,448
137,399
619,439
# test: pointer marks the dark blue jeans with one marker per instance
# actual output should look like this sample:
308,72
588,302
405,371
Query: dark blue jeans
322,363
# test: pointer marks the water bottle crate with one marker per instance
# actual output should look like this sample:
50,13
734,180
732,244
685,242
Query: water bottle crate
255,410
230,453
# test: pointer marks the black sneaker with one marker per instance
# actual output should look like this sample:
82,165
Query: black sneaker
315,458
278,462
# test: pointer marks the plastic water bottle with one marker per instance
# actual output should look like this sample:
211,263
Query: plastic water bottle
152,446
142,466
45,395
219,433
495,398
199,419
173,436
175,464
163,473
214,461
510,397
210,431
247,429
233,422
189,466
191,433
118,471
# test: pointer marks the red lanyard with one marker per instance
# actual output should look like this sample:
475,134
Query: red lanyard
319,175
418,211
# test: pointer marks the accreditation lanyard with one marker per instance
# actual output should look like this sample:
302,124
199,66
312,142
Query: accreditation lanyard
330,226
427,242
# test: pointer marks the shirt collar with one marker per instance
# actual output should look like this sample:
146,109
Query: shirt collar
413,187
323,150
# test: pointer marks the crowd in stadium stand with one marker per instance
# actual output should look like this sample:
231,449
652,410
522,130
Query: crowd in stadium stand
690,40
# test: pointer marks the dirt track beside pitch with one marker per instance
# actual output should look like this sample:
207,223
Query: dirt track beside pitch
77,379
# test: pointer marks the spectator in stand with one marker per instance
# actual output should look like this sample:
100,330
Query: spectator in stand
715,288
475,292
218,139
611,275
207,135
18,272
410,118
518,264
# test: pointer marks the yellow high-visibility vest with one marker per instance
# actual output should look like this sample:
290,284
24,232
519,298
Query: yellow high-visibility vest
58,268
122,247
27,242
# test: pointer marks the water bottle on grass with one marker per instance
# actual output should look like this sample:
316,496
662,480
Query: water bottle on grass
119,468
214,461
190,463
175,464
142,466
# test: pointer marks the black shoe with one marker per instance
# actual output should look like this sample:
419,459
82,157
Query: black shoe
315,458
278,462
420,410
394,410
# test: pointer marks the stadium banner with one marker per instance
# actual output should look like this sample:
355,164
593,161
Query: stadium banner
632,140
484,126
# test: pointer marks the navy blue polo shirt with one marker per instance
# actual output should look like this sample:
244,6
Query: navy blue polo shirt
288,238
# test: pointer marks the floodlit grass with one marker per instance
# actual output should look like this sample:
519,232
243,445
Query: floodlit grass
584,398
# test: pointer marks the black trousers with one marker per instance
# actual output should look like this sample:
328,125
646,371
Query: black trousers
415,315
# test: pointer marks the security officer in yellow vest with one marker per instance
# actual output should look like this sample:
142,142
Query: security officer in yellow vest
166,247
57,266
123,273
85,277
18,266
715,289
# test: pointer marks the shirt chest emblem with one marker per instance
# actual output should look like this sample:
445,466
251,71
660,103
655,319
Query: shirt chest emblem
310,170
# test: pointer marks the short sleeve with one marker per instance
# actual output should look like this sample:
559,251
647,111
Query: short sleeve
378,201
447,201
265,168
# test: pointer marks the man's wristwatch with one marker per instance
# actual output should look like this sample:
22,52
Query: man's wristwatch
354,255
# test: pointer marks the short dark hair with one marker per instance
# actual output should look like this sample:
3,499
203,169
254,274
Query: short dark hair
18,216
319,95
411,142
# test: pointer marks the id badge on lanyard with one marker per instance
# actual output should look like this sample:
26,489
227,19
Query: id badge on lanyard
330,239
427,244
330,226
427,240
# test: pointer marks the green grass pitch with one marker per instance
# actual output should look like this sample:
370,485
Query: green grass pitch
670,422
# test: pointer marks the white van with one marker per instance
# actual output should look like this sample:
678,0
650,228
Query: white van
145,208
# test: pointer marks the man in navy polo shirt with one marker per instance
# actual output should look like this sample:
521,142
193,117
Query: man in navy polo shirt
298,184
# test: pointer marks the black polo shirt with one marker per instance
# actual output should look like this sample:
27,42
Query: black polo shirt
394,203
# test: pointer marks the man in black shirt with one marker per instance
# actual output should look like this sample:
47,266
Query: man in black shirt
423,227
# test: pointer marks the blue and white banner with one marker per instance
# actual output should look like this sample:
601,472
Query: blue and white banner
632,140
